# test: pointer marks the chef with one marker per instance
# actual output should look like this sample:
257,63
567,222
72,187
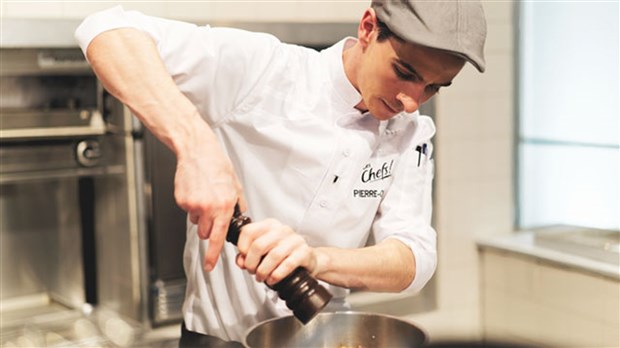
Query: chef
324,150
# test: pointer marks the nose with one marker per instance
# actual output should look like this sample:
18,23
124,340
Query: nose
410,103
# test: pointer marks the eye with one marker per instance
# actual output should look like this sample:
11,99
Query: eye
402,74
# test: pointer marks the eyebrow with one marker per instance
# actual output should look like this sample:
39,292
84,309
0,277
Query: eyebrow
414,72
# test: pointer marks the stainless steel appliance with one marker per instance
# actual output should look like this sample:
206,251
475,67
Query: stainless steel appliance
164,225
88,213
69,228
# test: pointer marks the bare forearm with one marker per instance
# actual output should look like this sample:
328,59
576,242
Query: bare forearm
387,266
128,64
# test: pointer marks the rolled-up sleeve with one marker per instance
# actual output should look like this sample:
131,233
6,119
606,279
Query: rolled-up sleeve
105,20
406,210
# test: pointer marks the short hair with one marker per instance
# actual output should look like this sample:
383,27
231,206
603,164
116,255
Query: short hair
385,32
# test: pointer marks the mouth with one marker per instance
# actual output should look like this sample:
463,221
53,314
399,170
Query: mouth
389,107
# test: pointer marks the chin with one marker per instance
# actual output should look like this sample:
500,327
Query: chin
382,115
381,111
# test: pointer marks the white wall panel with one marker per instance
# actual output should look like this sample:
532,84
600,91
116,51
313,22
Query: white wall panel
82,9
570,71
197,12
569,185
332,11
200,11
29,9
154,8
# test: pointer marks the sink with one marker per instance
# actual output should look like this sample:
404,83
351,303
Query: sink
595,244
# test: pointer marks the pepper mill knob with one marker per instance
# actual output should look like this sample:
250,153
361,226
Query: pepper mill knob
303,294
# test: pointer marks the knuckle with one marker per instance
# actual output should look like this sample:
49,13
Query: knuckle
182,202
277,254
250,270
223,204
281,272
258,247
262,273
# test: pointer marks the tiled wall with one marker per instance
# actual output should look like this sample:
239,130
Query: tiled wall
532,301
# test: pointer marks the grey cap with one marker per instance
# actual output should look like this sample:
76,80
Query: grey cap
455,26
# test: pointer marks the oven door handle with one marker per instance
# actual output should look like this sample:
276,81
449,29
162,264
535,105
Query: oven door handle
96,126
51,132
46,175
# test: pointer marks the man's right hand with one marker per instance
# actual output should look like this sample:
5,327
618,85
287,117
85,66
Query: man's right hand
207,188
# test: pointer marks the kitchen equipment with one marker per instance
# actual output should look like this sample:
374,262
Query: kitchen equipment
67,207
303,294
335,330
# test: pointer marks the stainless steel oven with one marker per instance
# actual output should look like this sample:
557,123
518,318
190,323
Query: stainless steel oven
68,228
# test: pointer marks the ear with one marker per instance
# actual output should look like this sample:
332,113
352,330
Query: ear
367,28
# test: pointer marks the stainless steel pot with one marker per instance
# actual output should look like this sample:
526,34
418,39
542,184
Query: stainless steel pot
336,330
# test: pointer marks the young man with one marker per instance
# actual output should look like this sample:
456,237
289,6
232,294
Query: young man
320,148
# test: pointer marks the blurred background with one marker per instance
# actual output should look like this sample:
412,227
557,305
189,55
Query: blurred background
525,200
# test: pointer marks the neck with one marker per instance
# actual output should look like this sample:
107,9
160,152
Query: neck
351,56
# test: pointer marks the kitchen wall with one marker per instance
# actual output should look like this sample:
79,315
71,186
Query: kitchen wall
474,142
202,11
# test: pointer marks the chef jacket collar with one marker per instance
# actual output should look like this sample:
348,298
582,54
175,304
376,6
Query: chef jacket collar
347,96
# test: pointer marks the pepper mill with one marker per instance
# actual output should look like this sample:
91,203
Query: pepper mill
302,292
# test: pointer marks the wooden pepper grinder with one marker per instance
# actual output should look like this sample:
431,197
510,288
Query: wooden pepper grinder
302,292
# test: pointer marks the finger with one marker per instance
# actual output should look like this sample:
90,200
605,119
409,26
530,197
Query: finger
256,240
243,205
247,235
204,226
259,248
287,266
217,237
277,256
240,261
251,232
194,218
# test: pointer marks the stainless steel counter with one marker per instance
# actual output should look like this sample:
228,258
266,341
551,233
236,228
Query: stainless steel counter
561,250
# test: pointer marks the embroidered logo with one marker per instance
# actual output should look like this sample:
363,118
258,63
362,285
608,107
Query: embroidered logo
370,174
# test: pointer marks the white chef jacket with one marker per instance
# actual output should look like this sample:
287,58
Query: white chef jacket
286,117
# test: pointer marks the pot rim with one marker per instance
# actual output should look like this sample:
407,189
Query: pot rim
349,312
